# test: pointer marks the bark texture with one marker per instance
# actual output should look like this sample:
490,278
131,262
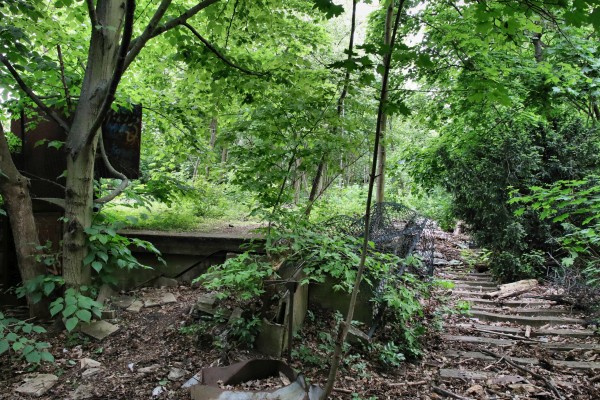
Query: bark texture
14,188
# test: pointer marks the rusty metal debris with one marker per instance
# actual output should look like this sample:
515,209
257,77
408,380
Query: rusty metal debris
205,385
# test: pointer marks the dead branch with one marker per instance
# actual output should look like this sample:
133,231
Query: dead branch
92,13
448,393
509,361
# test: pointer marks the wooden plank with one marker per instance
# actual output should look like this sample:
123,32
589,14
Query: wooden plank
508,303
508,342
461,374
479,340
574,333
480,356
576,364
476,288
475,283
532,312
571,346
448,373
525,320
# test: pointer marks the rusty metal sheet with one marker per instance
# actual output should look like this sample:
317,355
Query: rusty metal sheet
42,164
122,135
205,386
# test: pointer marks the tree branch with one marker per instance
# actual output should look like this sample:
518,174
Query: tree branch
219,55
118,72
64,80
153,30
62,123
124,180
138,43
92,13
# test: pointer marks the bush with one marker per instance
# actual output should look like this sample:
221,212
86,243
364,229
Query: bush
478,165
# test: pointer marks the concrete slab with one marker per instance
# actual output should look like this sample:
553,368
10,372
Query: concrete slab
575,333
37,385
99,329
123,301
531,312
159,299
135,307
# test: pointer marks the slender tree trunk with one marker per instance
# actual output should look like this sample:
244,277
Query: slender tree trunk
317,181
213,140
344,327
381,153
102,59
14,188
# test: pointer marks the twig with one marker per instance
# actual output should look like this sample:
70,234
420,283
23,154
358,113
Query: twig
509,361
218,53
92,13
448,393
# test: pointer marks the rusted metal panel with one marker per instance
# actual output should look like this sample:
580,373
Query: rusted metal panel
122,135
44,165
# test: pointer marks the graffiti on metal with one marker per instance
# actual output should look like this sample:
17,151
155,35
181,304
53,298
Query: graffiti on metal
122,134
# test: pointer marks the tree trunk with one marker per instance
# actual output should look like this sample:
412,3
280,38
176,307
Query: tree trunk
212,141
102,59
381,154
15,192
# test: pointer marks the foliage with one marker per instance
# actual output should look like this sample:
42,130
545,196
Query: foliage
574,206
241,276
75,307
18,337
108,251
477,168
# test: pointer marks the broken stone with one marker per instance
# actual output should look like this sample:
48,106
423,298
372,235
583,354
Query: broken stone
194,380
83,392
439,261
157,391
235,315
86,363
454,263
206,303
109,314
123,301
476,390
37,385
356,336
176,374
437,254
105,293
99,329
150,369
135,307
521,388
88,373
163,281
164,298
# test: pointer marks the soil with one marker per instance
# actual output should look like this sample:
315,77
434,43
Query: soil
151,344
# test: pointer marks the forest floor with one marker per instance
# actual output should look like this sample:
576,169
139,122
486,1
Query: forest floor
155,351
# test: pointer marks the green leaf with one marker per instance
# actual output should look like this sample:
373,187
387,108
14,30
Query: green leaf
18,346
47,356
97,265
4,346
84,315
49,288
56,308
34,357
69,310
11,336
71,323
329,8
